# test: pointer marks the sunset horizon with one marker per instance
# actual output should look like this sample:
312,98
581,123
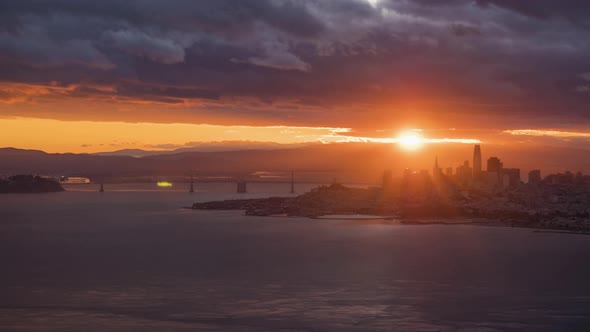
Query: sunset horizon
294,165
459,71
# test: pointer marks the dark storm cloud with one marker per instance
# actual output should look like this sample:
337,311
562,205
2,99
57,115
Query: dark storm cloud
228,15
463,30
575,10
355,62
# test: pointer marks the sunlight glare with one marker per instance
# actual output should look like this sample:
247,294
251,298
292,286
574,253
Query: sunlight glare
373,3
410,141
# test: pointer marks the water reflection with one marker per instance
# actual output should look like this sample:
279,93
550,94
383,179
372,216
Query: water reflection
134,260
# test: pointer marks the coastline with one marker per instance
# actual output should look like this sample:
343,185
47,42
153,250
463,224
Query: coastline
388,221
29,184
358,206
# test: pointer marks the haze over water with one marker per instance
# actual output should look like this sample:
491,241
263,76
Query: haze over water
131,259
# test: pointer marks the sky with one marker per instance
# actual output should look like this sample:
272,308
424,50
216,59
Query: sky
88,76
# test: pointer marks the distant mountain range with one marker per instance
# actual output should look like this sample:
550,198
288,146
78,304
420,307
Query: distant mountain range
347,161
136,153
330,160
206,147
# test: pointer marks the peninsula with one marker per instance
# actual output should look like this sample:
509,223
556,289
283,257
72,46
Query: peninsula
469,195
560,207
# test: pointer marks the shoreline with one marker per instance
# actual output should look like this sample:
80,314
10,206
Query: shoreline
388,221
337,202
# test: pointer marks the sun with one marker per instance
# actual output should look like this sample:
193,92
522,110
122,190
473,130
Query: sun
410,141
373,3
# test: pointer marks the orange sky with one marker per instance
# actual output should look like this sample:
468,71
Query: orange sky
95,136
550,150
291,72
90,136
59,136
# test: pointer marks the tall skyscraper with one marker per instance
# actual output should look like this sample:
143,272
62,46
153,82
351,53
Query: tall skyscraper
476,162
436,170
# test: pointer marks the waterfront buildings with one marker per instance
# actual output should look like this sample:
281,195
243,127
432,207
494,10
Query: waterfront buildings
495,177
499,177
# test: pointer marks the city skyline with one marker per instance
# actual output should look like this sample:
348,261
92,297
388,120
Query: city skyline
268,159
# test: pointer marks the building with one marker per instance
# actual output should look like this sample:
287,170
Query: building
449,171
510,177
560,178
495,165
436,170
464,174
387,180
492,180
476,162
535,176
416,183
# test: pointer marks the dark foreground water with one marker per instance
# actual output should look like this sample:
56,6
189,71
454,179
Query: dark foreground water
132,260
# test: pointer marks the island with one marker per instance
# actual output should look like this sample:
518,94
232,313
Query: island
23,184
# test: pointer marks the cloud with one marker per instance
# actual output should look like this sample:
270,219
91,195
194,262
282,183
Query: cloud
138,43
461,30
545,132
224,146
347,63
277,56
573,10
34,49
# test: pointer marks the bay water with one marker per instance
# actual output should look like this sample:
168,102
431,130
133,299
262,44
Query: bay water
133,259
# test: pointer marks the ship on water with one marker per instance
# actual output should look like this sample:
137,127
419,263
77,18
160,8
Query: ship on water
74,180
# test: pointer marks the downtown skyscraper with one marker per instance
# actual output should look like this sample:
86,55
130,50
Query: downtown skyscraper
476,162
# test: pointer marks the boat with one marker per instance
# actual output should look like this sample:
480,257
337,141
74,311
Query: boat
74,180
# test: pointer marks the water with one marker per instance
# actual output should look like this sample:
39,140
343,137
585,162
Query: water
131,259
